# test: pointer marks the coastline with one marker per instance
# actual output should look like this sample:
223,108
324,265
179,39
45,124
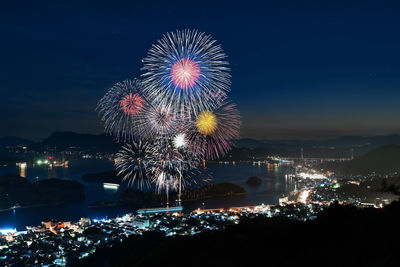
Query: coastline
95,193
32,206
119,204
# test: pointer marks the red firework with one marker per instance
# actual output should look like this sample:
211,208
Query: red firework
185,73
131,104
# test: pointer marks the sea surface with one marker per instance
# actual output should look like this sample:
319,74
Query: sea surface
272,187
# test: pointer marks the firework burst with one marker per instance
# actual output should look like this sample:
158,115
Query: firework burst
213,132
132,104
133,161
186,69
180,141
159,122
166,169
121,107
174,165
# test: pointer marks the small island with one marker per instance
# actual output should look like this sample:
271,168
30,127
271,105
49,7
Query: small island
147,199
254,180
16,191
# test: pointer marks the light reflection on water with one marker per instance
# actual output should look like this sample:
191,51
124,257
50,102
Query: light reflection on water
272,187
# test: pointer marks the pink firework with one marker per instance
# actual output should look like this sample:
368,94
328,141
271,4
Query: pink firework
131,104
185,73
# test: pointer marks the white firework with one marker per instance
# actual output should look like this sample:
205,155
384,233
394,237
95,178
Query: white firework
180,141
133,161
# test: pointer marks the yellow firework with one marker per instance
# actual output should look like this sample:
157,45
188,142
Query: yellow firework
206,122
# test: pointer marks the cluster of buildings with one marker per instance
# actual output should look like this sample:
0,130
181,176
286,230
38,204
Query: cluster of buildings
316,187
305,182
65,243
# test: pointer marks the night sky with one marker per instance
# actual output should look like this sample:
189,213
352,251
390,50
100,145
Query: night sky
300,70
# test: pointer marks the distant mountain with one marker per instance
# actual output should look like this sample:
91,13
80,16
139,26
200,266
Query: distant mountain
75,141
335,147
343,141
244,148
382,160
249,143
14,141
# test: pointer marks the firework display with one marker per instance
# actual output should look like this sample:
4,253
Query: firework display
186,69
177,117
133,160
166,168
159,121
174,164
213,132
121,107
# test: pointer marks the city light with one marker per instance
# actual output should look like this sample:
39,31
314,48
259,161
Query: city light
8,231
306,175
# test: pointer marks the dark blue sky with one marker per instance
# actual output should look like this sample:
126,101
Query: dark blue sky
301,69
